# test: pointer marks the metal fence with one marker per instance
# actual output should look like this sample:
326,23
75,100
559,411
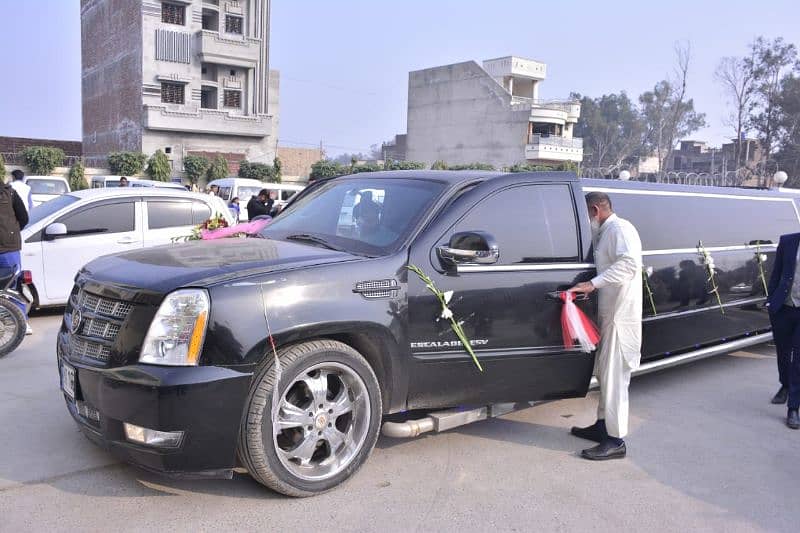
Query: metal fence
17,159
743,177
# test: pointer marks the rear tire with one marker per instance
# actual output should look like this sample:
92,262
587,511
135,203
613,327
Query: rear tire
12,326
328,419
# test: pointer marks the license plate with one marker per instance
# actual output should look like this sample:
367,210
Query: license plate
68,380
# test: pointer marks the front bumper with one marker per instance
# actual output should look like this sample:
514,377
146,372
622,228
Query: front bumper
204,402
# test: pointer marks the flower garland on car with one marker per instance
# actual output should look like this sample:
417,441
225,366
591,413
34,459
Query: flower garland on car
761,260
646,273
711,270
446,313
217,227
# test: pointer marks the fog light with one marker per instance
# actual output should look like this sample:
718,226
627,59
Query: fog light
151,437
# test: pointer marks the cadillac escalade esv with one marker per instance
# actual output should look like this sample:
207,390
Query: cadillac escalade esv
167,355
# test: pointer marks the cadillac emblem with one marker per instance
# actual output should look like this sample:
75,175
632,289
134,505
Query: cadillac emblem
75,322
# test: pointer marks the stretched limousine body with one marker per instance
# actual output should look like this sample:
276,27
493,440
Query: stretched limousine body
166,356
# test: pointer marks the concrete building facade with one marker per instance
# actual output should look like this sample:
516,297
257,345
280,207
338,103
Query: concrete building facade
183,76
697,156
490,113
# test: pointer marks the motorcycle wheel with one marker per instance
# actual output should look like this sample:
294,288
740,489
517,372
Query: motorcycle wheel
12,327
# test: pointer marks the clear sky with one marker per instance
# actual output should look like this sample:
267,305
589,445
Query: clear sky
344,64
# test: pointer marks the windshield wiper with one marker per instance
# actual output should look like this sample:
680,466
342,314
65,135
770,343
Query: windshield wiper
307,237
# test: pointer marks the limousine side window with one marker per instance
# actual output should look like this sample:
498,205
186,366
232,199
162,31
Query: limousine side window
721,221
531,223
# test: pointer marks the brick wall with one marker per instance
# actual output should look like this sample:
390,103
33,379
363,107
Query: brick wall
298,161
14,145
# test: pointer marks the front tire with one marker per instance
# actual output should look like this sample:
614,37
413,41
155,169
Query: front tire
325,425
12,326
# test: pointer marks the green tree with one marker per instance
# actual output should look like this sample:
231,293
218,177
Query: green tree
439,165
42,160
403,165
126,163
736,76
77,176
325,168
472,166
366,167
218,169
158,166
195,167
787,156
256,171
773,61
611,128
277,167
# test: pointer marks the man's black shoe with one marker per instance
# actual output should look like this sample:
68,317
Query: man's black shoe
780,396
596,432
604,451
793,419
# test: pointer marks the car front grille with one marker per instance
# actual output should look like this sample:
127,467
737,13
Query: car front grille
94,322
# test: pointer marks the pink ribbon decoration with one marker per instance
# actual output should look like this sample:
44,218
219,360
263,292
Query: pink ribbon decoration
248,228
575,325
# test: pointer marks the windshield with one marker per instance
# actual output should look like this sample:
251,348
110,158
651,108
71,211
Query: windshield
48,208
245,193
363,216
47,186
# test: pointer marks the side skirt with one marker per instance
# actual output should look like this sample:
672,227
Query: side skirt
452,418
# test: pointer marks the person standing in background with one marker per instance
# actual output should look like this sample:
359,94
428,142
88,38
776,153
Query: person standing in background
22,189
13,217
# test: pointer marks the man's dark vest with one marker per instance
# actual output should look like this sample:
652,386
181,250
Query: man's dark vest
9,227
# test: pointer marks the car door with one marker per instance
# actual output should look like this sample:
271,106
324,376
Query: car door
505,308
100,228
169,218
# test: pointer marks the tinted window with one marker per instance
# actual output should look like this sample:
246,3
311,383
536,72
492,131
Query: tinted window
49,208
161,214
108,218
675,222
531,224
200,212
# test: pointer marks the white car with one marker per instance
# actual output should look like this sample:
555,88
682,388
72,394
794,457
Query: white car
69,231
45,188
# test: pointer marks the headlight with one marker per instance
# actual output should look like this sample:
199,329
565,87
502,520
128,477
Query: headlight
178,330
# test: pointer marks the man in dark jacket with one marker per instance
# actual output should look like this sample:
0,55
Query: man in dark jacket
784,312
259,205
13,217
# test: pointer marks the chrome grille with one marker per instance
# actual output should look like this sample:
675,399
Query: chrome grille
98,327
102,306
88,349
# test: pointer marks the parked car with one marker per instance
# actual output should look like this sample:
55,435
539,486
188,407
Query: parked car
99,182
244,189
44,188
73,229
166,354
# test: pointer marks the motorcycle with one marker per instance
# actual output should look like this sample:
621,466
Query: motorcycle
13,319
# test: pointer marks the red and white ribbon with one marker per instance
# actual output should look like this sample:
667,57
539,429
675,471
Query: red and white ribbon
576,326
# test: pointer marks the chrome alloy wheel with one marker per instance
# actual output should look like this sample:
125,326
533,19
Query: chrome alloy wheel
322,421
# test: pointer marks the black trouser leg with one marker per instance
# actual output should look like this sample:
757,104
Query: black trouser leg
782,332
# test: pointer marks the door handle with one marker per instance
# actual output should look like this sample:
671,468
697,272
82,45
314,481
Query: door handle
556,295
127,240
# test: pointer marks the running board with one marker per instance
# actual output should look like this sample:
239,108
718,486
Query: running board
452,418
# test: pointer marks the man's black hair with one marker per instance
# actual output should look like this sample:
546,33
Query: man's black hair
17,174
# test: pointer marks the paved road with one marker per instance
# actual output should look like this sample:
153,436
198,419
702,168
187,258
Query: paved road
707,453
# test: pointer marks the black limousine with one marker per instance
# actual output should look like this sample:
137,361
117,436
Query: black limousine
167,355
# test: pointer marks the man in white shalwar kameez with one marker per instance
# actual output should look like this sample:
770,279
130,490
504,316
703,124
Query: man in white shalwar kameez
618,258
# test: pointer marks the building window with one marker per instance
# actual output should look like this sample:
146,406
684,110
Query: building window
173,13
233,99
172,93
233,24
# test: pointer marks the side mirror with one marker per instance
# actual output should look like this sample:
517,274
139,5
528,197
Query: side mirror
56,229
469,248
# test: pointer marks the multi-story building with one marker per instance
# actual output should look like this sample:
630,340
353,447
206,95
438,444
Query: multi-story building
697,156
466,113
184,76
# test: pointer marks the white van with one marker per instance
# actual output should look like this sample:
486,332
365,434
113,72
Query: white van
244,189
99,182
44,188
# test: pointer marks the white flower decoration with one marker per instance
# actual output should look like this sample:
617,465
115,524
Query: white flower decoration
447,296
649,271
447,314
762,258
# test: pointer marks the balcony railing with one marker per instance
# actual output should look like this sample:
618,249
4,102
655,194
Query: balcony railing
552,140
240,52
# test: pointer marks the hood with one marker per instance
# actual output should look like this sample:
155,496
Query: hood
161,269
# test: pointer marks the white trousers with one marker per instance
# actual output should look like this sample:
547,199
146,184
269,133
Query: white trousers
614,375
